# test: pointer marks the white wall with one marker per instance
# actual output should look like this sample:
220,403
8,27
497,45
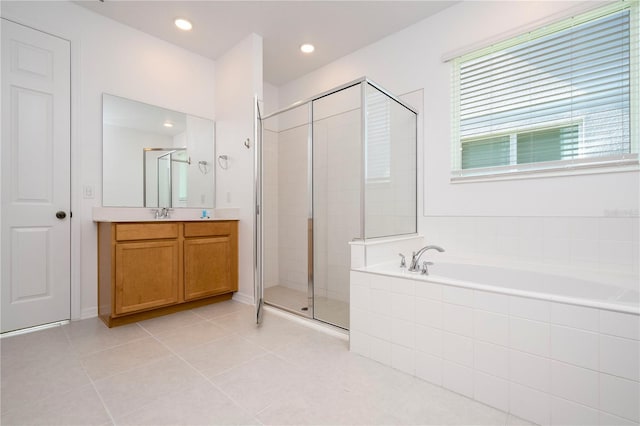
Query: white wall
238,79
200,147
458,216
110,57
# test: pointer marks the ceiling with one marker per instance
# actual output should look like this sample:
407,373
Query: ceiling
336,28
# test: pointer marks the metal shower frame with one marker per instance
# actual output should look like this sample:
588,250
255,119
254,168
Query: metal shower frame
258,189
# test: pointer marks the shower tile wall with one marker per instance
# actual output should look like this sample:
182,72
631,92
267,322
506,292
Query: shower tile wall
337,166
590,244
293,208
270,208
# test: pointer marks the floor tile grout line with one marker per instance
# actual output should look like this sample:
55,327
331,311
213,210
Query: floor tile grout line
174,329
218,316
239,308
93,385
78,357
134,367
104,404
10,410
267,352
82,355
111,347
84,370
202,318
157,360
192,367
275,352
199,345
146,362
45,399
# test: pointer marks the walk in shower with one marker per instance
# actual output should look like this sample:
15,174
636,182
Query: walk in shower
336,168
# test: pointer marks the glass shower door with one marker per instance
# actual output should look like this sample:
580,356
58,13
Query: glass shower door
258,247
286,211
164,180
390,166
337,165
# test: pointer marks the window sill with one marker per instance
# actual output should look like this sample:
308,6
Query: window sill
626,163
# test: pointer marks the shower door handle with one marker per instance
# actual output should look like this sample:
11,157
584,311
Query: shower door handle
61,215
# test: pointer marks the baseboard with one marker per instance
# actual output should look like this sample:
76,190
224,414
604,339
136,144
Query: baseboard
89,313
93,311
243,298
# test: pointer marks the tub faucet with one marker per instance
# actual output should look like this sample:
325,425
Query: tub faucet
414,267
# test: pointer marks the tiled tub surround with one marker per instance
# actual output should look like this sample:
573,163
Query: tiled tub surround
551,359
608,244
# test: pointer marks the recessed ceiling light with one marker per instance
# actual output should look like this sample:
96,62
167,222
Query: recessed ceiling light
168,124
307,48
183,24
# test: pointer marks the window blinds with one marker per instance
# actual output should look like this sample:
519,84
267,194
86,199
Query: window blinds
557,95
378,145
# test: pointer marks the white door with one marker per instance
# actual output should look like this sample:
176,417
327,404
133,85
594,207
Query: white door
35,171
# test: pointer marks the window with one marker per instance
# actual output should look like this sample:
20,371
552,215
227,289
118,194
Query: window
558,97
521,147
378,147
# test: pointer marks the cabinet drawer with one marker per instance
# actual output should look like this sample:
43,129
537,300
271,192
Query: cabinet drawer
146,231
206,229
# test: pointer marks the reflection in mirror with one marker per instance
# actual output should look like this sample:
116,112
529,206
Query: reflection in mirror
165,177
155,157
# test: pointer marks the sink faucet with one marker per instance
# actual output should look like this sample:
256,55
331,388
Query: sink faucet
162,213
414,267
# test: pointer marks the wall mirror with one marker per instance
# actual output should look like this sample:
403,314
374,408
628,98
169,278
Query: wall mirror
155,157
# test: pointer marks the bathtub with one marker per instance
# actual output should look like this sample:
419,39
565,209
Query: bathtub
551,349
597,293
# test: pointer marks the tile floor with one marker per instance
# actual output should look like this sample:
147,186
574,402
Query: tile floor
211,366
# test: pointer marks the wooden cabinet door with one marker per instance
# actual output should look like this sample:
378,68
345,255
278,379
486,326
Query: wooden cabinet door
207,267
146,275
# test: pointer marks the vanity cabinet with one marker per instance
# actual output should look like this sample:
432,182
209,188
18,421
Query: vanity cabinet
207,250
150,269
146,275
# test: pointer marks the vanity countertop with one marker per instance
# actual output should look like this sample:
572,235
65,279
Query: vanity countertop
139,214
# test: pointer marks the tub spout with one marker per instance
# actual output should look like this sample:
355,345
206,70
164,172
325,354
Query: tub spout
414,267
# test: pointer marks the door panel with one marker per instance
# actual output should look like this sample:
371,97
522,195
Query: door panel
31,146
32,59
286,212
29,273
35,171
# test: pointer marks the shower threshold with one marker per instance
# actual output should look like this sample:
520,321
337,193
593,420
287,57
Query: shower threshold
330,311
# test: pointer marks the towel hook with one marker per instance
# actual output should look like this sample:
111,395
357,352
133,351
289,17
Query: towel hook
223,161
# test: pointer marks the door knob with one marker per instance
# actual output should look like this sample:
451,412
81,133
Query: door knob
61,215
